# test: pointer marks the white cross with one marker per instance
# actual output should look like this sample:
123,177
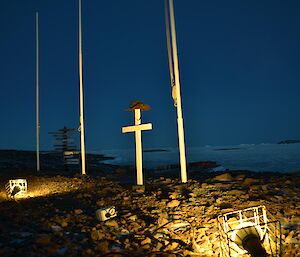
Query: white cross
137,128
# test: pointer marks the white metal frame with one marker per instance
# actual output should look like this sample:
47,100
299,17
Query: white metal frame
12,183
267,227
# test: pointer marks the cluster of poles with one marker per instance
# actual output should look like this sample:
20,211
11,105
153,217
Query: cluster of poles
174,78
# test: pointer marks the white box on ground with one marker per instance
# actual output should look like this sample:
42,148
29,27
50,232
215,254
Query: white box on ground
106,213
16,187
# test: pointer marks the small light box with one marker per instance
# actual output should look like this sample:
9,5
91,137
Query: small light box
16,187
106,213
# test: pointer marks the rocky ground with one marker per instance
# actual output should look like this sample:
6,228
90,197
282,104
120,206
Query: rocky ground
166,218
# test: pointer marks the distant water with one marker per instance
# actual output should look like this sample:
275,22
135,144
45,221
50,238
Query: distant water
262,157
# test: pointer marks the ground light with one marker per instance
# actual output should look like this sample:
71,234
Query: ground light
250,231
16,187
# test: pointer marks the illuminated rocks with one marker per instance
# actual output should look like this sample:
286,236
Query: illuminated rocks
78,211
250,181
111,223
224,177
146,220
173,203
97,235
147,240
103,246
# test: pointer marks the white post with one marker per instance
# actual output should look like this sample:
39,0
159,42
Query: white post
138,147
178,97
137,128
82,142
37,94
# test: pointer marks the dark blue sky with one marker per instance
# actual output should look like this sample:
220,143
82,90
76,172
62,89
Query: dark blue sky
239,67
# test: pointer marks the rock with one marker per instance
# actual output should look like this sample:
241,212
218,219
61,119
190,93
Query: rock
224,211
100,203
97,235
127,243
7,251
236,192
52,249
254,203
64,224
210,210
223,177
62,251
290,239
43,239
147,240
225,205
172,246
163,219
135,226
138,188
111,223
250,181
296,220
240,177
289,211
159,192
103,246
219,200
133,217
88,252
157,246
168,180
279,197
121,171
56,228
78,211
289,141
204,185
146,246
173,195
173,203
254,188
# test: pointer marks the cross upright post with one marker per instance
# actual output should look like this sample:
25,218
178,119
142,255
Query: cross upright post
137,128
138,147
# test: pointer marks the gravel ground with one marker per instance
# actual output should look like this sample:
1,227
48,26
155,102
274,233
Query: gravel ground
164,218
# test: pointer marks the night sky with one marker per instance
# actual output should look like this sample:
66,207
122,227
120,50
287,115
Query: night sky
239,68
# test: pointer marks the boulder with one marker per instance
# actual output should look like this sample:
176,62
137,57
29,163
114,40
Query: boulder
225,177
173,203
43,239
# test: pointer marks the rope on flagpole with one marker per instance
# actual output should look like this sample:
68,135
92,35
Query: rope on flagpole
170,58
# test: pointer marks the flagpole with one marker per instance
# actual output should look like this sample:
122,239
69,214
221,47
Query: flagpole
169,47
37,95
82,142
178,96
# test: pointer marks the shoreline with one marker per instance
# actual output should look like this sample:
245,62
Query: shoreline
97,162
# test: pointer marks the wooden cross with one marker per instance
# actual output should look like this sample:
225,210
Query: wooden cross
137,128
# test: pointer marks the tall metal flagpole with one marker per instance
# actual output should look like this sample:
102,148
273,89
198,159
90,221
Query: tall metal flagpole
37,94
82,143
169,47
177,98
